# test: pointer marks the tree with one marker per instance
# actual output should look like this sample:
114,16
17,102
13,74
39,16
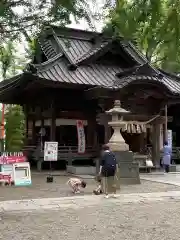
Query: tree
153,26
14,117
29,17
14,128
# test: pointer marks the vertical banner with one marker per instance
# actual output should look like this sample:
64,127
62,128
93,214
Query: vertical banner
169,138
81,137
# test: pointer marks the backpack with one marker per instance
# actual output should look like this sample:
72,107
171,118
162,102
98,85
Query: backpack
109,164
110,160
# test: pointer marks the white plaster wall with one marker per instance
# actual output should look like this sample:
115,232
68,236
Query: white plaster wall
59,122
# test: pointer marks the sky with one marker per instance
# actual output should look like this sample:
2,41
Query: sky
81,24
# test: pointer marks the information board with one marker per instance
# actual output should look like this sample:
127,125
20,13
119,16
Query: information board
50,151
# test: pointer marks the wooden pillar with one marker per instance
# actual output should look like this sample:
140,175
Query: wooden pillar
29,130
107,130
42,136
33,133
53,124
103,119
156,143
40,146
166,122
91,130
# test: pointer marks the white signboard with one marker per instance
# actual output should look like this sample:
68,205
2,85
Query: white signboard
22,174
50,151
169,138
81,137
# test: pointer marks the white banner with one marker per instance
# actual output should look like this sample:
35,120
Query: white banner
169,138
81,137
50,151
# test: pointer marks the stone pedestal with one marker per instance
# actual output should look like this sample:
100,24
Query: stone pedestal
81,170
172,168
128,168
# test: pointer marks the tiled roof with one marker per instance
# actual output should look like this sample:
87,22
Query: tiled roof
74,48
77,46
47,48
172,85
93,74
79,50
66,47
93,51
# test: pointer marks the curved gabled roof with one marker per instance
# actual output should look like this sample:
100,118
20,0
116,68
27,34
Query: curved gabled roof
72,56
172,86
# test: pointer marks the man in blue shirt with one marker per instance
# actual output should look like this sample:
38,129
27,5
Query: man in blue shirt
167,152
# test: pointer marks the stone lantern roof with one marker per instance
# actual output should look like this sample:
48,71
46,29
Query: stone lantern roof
117,109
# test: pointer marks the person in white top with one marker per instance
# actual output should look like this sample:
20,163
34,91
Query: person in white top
76,184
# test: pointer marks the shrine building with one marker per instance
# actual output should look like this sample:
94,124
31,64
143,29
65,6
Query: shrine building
77,75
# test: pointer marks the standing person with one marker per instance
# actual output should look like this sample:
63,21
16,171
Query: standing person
108,167
166,160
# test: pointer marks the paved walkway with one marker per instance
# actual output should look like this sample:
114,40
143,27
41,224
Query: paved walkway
170,178
77,202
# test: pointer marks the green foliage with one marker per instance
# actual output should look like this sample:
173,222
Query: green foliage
153,26
6,57
14,128
14,116
30,16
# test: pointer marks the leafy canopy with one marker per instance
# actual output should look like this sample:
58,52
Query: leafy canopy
153,26
29,16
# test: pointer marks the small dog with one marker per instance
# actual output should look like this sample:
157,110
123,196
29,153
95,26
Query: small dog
98,190
76,184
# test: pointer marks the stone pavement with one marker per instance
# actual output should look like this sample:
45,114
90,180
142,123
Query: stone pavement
159,177
41,189
76,202
133,217
149,211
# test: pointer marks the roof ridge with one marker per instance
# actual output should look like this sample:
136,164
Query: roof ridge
62,48
171,75
95,49
50,61
47,48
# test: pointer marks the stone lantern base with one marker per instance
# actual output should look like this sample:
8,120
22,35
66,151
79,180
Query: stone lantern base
128,172
128,168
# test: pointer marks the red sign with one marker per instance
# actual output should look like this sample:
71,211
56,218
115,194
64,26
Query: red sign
5,177
12,159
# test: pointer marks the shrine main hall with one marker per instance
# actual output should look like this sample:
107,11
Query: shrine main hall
77,75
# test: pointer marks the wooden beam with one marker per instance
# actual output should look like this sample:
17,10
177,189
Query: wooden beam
98,93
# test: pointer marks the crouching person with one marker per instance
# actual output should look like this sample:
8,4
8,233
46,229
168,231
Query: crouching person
76,184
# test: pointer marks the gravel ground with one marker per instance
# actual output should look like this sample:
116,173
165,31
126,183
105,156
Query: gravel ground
59,188
133,221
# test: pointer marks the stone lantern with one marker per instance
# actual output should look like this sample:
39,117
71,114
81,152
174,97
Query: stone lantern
117,142
128,168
